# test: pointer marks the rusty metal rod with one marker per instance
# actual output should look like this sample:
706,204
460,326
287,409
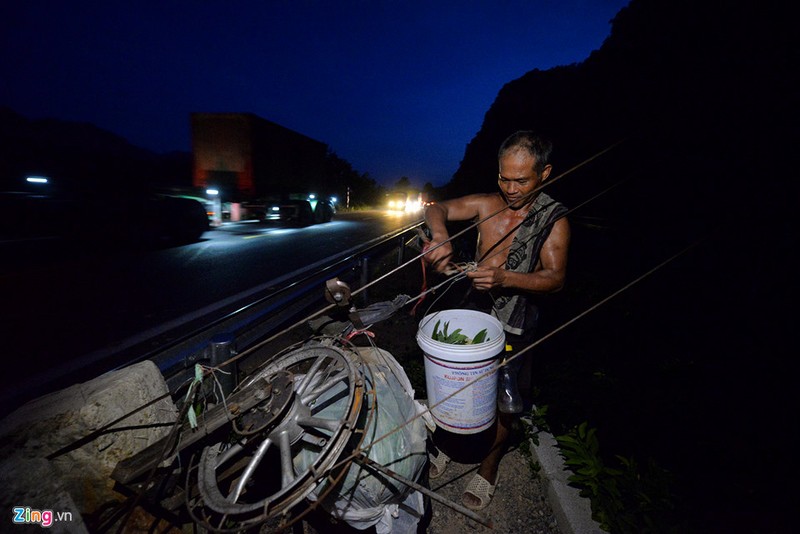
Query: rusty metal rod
432,494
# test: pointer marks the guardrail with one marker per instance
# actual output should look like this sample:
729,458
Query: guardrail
209,334
241,321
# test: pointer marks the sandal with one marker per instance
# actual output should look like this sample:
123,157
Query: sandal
438,464
479,488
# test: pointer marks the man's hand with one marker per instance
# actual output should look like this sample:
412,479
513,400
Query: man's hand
486,278
440,257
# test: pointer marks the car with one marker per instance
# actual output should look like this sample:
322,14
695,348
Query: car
140,219
396,201
174,219
297,208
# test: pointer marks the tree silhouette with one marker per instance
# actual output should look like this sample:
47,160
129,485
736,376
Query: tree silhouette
403,184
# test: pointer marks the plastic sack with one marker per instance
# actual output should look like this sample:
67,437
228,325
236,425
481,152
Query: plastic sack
366,498
380,311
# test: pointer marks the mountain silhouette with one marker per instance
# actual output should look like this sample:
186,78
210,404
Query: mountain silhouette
686,82
688,366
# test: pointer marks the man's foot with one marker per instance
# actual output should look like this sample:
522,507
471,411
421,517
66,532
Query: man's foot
438,464
479,493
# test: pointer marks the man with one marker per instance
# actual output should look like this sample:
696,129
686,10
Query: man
521,251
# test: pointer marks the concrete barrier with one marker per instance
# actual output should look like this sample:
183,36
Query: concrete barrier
573,512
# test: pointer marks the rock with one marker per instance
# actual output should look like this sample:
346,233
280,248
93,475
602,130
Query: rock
48,429
32,483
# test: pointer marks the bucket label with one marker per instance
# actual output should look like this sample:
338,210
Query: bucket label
470,410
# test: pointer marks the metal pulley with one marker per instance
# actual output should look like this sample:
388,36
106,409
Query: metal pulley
289,435
337,292
275,399
284,448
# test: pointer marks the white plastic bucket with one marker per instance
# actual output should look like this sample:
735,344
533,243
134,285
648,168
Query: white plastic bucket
450,367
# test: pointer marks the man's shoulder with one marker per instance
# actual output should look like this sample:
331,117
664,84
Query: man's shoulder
478,196
479,201
465,207
490,200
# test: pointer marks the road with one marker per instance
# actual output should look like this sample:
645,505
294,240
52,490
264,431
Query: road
61,301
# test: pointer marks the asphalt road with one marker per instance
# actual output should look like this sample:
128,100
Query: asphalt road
63,300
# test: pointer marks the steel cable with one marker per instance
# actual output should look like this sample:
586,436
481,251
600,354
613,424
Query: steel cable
325,309
448,282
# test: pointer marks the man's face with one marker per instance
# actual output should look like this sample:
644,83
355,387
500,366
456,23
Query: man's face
517,178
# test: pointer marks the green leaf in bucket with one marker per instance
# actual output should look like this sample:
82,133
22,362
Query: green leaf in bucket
456,337
480,337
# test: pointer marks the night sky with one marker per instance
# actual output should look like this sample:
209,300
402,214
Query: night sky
396,88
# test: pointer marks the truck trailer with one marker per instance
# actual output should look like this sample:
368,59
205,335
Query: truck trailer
273,172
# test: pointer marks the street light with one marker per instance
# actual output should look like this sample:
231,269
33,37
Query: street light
216,217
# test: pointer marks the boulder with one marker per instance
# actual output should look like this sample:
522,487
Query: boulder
81,432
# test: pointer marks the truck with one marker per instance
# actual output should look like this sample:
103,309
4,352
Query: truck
271,172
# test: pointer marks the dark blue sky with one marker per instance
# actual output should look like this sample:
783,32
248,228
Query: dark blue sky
398,88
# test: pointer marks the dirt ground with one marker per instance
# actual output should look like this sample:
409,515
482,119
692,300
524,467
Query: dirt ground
519,505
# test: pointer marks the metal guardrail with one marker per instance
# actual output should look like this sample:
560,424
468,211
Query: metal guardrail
243,320
233,325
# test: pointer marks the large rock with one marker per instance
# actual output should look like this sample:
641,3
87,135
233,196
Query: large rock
31,484
106,410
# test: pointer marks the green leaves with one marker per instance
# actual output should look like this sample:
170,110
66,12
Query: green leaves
480,337
456,337
625,500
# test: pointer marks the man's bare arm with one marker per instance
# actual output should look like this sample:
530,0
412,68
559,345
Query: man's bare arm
548,278
436,217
